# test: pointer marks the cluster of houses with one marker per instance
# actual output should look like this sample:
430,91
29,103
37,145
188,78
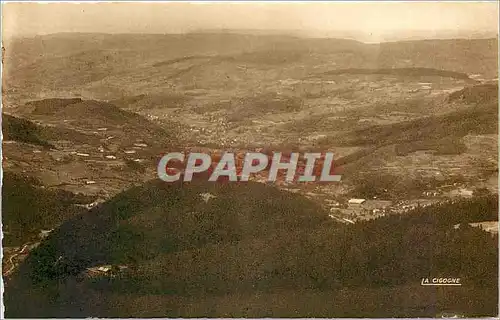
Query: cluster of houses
108,154
358,209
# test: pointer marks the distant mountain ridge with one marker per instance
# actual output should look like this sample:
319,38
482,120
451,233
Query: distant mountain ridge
360,36
109,67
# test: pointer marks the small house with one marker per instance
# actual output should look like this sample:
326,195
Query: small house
356,201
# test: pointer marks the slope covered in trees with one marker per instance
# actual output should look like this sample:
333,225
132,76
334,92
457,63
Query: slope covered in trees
249,241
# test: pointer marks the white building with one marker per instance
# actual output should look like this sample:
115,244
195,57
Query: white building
356,201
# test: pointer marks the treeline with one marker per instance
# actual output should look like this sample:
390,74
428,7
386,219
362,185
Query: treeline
452,212
407,72
392,187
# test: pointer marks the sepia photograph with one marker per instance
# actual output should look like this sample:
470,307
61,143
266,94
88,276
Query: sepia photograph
251,159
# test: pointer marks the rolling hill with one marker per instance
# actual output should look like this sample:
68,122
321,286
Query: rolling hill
27,207
86,116
433,132
170,245
83,63
22,130
484,93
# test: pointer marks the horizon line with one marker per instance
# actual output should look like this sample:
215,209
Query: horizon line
285,33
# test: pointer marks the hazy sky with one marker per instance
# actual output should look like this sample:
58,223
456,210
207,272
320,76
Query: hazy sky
376,18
